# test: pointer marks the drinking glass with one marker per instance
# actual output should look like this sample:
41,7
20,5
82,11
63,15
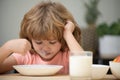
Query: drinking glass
80,64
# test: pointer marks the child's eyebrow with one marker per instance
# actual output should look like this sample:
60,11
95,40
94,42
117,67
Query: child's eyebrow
53,40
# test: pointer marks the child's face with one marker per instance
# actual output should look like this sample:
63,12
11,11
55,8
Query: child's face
47,49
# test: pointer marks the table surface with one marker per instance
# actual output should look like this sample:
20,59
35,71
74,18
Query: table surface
54,77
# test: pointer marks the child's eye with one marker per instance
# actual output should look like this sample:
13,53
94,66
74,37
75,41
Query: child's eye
39,42
52,42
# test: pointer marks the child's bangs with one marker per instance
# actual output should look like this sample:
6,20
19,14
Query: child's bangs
45,35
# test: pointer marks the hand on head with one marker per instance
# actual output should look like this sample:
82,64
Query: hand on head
69,26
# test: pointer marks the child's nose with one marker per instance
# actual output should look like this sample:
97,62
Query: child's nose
46,47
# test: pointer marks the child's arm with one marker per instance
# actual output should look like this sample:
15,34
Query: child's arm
68,36
6,59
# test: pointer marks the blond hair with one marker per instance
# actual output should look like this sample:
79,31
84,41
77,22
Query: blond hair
47,19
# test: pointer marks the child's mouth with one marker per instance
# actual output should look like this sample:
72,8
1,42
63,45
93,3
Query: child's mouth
45,53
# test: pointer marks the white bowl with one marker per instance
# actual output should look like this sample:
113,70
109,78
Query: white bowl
37,69
115,68
99,71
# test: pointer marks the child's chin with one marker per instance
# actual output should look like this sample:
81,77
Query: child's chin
47,58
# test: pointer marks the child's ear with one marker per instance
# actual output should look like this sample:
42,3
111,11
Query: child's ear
32,48
32,51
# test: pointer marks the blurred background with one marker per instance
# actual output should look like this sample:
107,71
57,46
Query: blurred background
89,14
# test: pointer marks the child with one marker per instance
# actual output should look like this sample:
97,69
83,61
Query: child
48,33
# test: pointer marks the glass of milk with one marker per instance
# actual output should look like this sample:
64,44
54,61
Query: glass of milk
80,64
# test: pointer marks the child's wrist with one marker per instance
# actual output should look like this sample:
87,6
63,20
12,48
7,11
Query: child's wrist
67,34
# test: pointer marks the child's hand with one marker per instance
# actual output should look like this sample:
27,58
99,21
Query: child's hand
18,46
69,27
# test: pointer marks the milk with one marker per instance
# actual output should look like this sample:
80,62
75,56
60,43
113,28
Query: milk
80,66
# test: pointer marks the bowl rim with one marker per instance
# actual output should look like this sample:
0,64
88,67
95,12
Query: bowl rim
99,65
114,62
37,66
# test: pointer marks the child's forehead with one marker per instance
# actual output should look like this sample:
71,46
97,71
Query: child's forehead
46,38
